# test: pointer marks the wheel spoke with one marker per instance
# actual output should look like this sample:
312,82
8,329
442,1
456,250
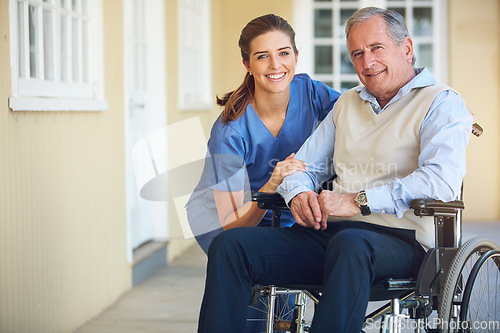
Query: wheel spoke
476,300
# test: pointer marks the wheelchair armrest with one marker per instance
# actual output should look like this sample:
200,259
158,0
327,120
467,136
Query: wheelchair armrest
272,201
431,207
421,207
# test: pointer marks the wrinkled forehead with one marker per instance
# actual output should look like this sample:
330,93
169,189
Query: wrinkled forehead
369,32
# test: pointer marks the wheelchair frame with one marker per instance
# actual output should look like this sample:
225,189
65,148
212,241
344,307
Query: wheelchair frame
445,280
440,284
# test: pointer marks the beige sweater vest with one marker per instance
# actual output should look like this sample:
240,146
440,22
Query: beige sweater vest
372,150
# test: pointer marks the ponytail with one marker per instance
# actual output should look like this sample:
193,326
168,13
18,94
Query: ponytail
235,102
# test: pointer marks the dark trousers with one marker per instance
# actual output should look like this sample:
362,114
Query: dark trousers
346,258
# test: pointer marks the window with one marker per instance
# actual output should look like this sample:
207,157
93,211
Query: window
195,63
325,36
56,55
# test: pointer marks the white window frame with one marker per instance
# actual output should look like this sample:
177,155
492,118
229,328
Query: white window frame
304,27
60,91
195,55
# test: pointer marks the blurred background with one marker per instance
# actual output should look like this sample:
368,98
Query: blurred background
85,82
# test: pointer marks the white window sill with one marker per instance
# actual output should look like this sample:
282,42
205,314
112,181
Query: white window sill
56,104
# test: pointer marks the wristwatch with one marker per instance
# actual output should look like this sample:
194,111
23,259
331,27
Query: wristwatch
362,202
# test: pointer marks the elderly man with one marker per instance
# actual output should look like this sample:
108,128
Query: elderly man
398,137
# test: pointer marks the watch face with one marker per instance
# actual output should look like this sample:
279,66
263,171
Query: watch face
361,198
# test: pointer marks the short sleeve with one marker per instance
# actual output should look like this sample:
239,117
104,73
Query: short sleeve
225,168
321,96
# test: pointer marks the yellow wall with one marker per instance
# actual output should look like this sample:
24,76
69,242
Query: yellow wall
474,67
62,202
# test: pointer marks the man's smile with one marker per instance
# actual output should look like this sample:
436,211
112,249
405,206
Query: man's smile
376,73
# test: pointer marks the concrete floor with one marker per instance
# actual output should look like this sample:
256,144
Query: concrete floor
169,300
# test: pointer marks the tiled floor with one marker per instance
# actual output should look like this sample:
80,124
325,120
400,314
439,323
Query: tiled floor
169,301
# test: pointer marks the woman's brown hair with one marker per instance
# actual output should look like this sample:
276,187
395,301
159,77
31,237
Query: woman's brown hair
235,102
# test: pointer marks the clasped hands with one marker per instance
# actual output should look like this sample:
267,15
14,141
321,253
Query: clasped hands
312,210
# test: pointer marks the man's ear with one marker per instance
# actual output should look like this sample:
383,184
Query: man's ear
408,47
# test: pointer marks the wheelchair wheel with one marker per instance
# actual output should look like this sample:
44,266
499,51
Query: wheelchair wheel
451,300
480,308
285,310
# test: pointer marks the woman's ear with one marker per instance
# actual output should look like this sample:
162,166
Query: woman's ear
247,66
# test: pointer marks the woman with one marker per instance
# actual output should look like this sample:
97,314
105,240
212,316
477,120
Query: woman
253,142
263,123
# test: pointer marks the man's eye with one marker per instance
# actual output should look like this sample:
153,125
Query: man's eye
357,54
284,53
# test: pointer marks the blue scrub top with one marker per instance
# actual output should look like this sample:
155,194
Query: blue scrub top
243,153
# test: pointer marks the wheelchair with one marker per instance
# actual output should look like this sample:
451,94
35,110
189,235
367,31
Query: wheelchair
457,289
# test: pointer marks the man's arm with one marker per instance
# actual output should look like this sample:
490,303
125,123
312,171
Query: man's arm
445,134
317,153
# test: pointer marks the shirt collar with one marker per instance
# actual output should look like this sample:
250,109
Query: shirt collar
423,78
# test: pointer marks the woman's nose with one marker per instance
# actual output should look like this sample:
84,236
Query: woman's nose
275,63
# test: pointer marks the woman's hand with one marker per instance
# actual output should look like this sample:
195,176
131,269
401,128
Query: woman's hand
283,169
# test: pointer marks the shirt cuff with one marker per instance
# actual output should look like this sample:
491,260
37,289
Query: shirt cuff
380,200
297,190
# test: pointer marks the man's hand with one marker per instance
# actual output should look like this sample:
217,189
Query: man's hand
337,204
306,210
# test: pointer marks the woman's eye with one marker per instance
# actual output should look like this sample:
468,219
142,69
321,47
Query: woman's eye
262,56
284,53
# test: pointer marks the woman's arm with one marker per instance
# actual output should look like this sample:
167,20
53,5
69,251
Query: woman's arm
233,213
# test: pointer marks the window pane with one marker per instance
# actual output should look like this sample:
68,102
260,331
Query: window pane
85,52
345,14
32,18
422,22
75,52
48,45
323,63
64,47
424,56
21,39
85,7
323,23
346,66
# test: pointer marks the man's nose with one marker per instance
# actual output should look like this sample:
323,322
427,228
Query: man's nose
368,60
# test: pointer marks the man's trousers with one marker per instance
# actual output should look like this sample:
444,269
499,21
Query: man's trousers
346,258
